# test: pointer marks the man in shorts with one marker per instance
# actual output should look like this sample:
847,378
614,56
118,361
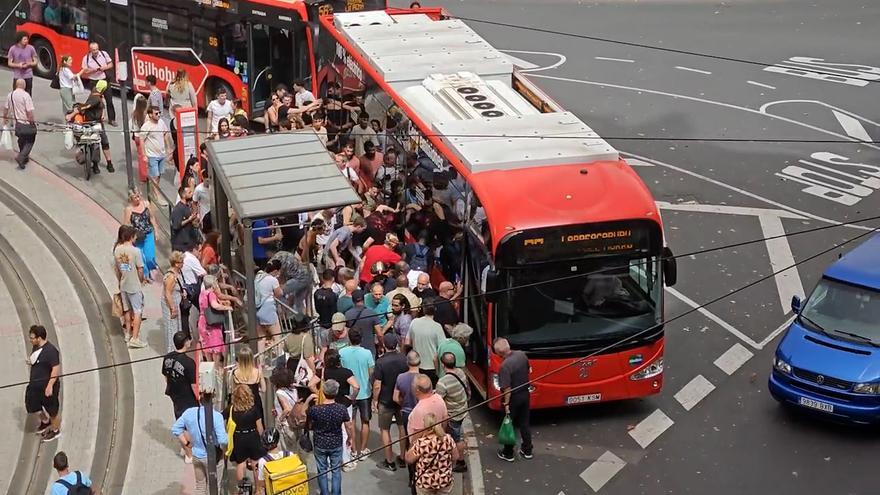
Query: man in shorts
93,109
44,387
360,361
158,148
129,264
388,367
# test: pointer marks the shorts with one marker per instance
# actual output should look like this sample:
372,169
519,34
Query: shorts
105,143
155,166
455,429
35,399
388,413
266,314
364,409
133,301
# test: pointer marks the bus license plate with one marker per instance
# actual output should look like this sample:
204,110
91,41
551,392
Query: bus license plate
814,404
580,399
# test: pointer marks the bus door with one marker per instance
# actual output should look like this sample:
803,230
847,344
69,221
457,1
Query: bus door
280,56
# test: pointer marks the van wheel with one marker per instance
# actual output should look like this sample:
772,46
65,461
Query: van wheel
46,63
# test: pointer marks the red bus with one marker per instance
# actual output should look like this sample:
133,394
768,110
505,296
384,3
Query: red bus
244,46
540,217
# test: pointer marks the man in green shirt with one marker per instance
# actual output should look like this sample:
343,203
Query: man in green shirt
461,333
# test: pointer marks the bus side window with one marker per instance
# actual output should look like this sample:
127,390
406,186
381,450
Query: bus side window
75,20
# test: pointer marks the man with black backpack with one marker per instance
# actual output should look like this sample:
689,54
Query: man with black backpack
70,483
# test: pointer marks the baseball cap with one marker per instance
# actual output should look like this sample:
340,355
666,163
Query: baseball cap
357,295
390,340
338,322
101,85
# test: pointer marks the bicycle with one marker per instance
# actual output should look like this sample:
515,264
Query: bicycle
87,137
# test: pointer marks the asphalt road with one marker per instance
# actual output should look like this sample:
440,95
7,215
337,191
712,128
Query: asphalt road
714,429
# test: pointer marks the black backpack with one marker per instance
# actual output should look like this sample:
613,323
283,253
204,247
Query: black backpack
75,489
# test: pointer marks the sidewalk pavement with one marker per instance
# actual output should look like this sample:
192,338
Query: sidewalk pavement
154,466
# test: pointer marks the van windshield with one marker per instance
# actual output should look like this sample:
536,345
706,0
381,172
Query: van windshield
845,311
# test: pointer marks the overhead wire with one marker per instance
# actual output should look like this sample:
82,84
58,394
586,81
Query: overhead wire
504,290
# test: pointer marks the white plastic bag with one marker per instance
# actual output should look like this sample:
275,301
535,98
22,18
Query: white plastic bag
68,139
6,138
78,87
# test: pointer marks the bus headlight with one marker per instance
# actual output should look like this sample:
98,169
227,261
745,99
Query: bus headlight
493,378
867,388
649,371
781,366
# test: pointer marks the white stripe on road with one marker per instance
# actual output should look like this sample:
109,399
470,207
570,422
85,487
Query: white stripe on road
851,126
635,162
733,358
726,209
712,316
611,59
696,390
761,85
788,282
698,71
602,470
650,428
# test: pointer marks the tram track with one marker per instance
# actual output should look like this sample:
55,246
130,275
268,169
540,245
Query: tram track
115,402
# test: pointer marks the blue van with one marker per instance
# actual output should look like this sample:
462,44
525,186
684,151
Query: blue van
828,361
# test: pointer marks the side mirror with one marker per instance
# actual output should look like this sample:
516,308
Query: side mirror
796,304
493,285
670,267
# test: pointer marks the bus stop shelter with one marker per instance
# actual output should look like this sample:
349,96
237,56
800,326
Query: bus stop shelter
267,176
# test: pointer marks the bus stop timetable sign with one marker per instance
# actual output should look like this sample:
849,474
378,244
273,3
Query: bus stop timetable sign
146,60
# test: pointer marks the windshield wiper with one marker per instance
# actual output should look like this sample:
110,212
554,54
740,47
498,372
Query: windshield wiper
859,337
818,326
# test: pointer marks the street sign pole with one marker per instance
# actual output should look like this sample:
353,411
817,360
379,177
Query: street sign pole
122,79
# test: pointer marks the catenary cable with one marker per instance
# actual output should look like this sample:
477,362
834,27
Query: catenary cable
633,44
499,291
611,346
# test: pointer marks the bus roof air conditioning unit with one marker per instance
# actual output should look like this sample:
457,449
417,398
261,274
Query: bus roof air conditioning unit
467,96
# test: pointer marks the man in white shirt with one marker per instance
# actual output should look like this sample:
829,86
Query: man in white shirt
220,108
158,147
192,273
202,197
95,65
302,95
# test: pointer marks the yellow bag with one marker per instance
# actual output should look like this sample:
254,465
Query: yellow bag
230,432
286,476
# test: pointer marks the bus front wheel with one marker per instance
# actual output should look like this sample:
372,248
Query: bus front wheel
46,63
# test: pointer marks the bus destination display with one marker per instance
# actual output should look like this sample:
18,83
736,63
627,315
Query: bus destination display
567,243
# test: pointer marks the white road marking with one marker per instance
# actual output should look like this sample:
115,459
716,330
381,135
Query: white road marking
635,162
699,71
696,390
776,332
602,470
727,210
612,59
851,126
530,67
761,85
712,316
788,282
650,428
733,358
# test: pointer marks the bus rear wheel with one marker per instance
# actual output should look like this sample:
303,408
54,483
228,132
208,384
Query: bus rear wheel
46,63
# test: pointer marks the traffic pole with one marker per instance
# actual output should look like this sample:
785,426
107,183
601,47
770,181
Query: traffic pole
122,79
211,441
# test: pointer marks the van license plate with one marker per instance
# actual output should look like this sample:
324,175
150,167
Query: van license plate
814,404
580,399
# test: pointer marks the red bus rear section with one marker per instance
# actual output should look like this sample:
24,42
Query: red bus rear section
563,248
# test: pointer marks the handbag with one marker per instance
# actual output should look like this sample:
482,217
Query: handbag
55,83
185,303
230,432
69,141
6,138
506,434
305,441
22,129
302,376
117,308
214,317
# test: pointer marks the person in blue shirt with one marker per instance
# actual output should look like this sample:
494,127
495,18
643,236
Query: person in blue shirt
377,301
68,479
265,239
360,361
190,430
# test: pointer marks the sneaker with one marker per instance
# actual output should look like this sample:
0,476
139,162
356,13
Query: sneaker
388,466
526,455
365,453
126,336
136,344
110,167
400,462
50,435
460,467
42,427
349,467
187,459
503,457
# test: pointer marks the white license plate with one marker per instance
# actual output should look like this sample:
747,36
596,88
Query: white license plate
580,399
814,404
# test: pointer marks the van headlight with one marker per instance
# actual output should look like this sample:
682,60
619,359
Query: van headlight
781,366
648,371
867,388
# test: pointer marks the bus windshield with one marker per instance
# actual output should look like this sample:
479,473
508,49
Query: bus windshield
580,305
